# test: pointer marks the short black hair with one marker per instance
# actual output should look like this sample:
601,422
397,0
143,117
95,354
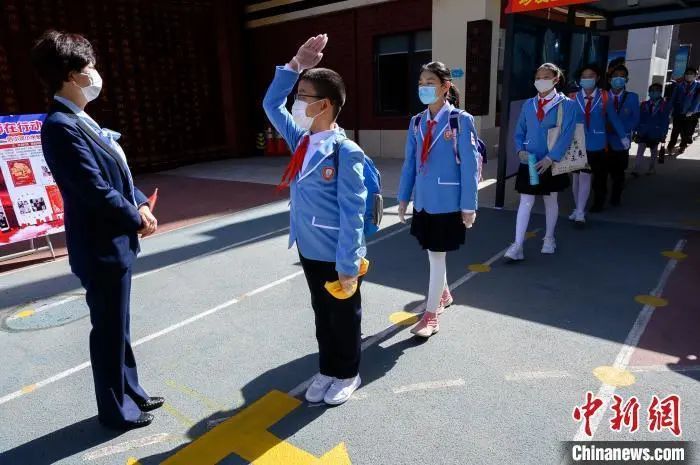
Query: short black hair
622,68
690,69
593,67
656,85
328,84
56,54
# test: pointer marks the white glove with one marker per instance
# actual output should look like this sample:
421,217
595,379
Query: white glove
310,54
626,143
689,114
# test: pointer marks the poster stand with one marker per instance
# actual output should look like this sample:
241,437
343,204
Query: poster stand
32,250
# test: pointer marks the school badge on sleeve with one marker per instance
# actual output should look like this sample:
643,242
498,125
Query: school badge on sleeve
448,134
328,173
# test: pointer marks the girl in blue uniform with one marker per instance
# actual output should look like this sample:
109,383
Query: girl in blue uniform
442,163
326,214
595,110
654,119
537,117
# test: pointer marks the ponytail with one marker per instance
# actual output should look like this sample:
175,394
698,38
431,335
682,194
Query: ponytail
453,95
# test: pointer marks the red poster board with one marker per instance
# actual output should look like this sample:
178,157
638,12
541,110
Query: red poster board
521,6
30,202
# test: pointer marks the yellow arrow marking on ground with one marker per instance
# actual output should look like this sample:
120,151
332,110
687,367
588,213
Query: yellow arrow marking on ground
245,434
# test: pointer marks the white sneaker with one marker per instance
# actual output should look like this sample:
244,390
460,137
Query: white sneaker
320,385
580,218
572,217
549,246
515,252
341,390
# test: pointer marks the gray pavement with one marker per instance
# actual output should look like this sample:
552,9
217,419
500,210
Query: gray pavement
221,318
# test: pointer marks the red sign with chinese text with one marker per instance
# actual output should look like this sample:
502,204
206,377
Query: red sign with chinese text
521,6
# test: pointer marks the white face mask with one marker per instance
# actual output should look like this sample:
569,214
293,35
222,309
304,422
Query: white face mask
92,91
299,115
543,85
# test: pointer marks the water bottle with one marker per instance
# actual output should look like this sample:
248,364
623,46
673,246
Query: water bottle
534,176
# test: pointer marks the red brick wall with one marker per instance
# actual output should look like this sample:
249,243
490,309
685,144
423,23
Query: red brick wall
350,52
166,66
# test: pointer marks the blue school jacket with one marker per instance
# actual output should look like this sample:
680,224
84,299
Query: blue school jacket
531,133
597,133
685,98
447,182
654,120
327,207
629,115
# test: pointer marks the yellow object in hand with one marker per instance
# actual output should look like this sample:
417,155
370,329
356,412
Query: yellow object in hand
336,289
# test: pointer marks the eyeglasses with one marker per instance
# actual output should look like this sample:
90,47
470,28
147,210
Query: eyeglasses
298,96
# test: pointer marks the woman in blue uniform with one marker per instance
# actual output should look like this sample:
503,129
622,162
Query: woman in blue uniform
537,117
442,163
327,210
654,119
595,110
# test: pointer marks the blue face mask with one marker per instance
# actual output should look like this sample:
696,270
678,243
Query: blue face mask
654,95
587,84
618,82
427,94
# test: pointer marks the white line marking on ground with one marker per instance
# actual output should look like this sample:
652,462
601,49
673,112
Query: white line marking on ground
664,369
175,326
429,385
607,391
528,375
127,446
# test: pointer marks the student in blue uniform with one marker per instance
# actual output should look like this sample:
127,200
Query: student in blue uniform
595,110
653,127
327,210
537,116
684,103
442,163
626,105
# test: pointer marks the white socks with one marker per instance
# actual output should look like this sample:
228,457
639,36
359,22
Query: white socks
551,206
438,279
527,201
581,190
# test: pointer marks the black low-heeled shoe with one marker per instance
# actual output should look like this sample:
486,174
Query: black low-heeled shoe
151,403
143,420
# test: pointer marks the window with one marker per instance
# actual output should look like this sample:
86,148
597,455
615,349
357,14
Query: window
398,59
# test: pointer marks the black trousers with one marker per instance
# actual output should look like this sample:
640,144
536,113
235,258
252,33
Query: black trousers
338,322
108,292
604,164
685,127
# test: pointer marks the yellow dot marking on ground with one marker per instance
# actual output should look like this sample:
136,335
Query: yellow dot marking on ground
28,389
651,300
132,461
404,318
25,313
530,235
479,268
614,376
674,254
